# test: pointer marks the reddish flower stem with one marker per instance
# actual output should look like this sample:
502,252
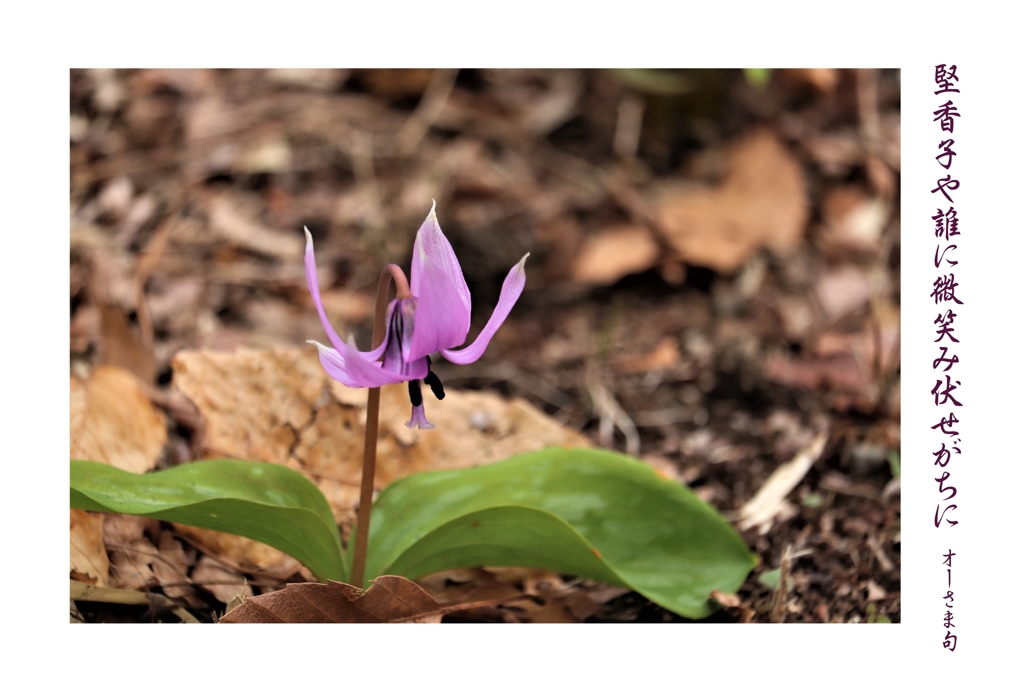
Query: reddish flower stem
392,272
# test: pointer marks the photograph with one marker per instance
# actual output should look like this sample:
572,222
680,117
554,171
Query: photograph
507,346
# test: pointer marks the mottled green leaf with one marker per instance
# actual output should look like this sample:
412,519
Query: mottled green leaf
266,502
584,512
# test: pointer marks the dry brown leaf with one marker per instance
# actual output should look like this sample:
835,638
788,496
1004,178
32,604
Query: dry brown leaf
244,554
121,346
395,83
89,561
503,592
465,585
131,564
225,584
131,553
761,203
112,421
389,599
851,367
171,569
839,372
662,357
123,529
549,610
278,405
613,253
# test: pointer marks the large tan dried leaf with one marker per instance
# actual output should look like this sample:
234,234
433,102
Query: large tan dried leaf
278,405
225,584
88,555
245,554
389,599
613,253
761,203
113,421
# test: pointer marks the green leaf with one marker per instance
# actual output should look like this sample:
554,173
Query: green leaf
757,77
584,512
894,463
771,578
266,502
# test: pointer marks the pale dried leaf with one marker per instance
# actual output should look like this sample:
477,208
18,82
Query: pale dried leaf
171,568
465,585
767,502
112,421
853,220
225,584
663,356
131,564
124,529
244,554
319,79
272,154
842,291
729,600
613,253
88,554
875,592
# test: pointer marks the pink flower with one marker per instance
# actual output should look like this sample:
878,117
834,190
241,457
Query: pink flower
434,319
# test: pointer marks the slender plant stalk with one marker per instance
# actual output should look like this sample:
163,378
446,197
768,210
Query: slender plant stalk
395,273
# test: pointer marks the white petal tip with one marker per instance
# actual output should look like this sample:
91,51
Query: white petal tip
319,346
309,238
522,262
433,211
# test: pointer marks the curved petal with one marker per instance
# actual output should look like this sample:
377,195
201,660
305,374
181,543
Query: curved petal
314,290
436,280
510,292
351,368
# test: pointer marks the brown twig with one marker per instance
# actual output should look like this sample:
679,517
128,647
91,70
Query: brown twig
395,273
427,112
778,611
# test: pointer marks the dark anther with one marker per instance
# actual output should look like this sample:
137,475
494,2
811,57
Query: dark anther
415,395
435,384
